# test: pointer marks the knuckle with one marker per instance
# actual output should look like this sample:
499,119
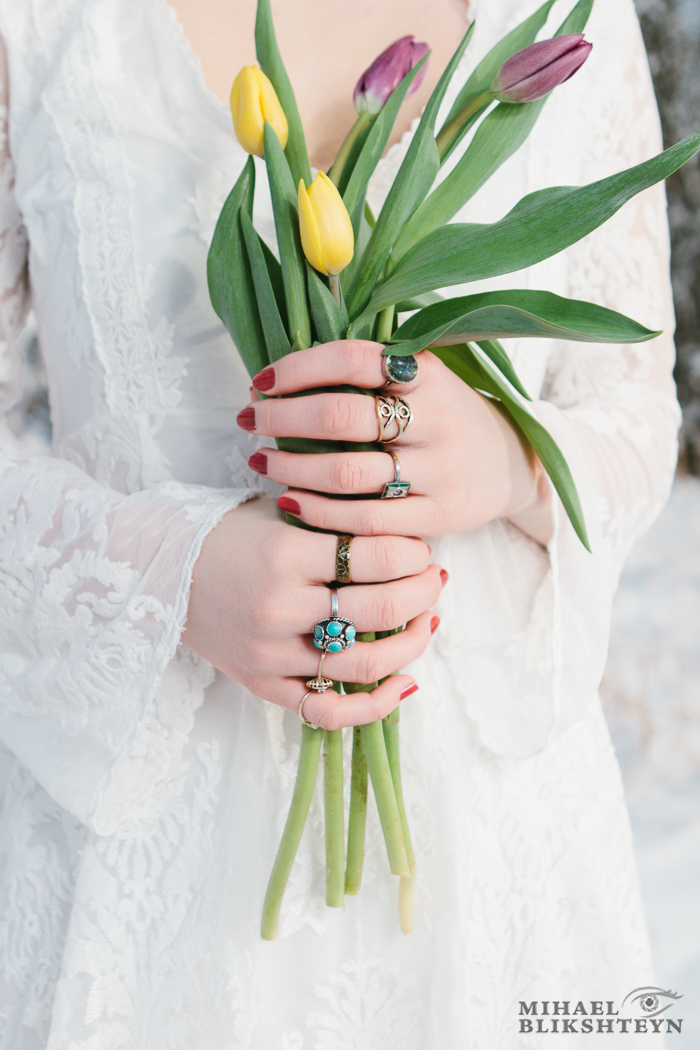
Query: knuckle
329,719
388,557
374,522
264,613
387,616
346,474
368,669
339,415
358,354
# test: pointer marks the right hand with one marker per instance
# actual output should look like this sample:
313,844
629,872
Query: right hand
260,585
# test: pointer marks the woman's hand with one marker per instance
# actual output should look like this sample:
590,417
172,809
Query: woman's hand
259,587
465,462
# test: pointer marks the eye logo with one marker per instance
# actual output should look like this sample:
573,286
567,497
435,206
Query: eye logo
650,1000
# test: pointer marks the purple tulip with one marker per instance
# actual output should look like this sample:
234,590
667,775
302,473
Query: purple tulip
536,70
386,73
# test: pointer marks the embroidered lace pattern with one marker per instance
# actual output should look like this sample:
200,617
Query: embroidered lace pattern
146,794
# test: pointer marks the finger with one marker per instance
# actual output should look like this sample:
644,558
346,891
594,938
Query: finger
329,710
344,472
365,662
414,516
355,361
373,607
369,662
336,416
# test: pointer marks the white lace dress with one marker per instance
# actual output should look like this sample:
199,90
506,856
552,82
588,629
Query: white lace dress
144,794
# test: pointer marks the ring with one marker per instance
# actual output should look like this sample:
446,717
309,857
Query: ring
391,409
342,559
398,369
397,488
334,633
319,684
300,712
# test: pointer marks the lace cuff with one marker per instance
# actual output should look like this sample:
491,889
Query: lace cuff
96,587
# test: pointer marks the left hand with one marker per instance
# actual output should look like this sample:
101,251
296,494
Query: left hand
466,463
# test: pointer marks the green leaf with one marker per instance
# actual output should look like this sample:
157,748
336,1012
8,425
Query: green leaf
419,301
229,277
541,225
478,374
363,231
330,320
272,66
275,335
497,354
376,141
284,205
520,314
413,181
275,271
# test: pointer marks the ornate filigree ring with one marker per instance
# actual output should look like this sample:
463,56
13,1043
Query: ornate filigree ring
391,409
334,633
342,559
300,712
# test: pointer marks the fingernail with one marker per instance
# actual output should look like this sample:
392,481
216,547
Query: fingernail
246,418
444,576
290,506
258,462
408,690
264,380
434,624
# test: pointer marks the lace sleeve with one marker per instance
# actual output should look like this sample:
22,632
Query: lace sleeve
93,596
611,409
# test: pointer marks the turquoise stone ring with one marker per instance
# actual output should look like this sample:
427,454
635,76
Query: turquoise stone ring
334,633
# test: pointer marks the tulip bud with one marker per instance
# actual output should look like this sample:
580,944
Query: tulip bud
253,102
536,70
326,230
386,73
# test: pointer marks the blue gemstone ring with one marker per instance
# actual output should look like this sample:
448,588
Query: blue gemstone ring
334,633
398,369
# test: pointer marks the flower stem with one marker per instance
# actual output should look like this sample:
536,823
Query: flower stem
385,324
311,740
380,773
357,821
406,885
449,130
334,285
335,822
336,172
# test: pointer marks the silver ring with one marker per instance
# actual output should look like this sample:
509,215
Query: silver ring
334,633
397,488
397,369
300,712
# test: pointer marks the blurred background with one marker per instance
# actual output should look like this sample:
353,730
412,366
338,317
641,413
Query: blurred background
652,681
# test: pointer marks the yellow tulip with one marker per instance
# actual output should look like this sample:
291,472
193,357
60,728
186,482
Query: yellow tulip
254,101
326,230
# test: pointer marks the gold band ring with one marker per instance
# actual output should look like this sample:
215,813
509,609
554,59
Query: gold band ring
391,409
300,712
342,559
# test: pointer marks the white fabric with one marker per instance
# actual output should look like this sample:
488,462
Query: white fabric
146,794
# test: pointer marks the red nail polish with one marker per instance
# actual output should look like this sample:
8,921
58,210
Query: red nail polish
264,380
408,690
434,624
289,506
246,418
258,462
444,576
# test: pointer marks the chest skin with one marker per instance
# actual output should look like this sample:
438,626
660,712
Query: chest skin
326,44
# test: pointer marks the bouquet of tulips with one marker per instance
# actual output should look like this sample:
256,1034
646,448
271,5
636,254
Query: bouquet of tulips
343,272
